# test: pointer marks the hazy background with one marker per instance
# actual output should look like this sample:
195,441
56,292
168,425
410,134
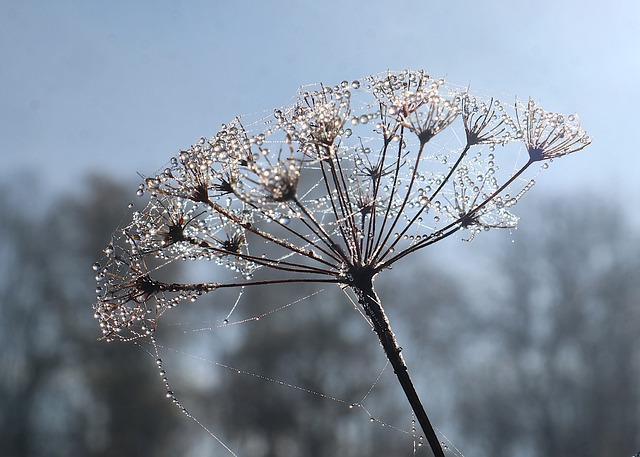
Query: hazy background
525,343
119,87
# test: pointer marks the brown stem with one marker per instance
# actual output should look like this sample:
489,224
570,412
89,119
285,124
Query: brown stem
367,297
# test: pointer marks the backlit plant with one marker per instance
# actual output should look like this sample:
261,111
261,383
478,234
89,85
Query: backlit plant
336,188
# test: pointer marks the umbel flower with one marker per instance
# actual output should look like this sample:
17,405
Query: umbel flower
335,188
549,135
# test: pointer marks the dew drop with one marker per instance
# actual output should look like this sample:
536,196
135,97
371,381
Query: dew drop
170,394
95,266
284,220
153,183
225,321
355,84
109,250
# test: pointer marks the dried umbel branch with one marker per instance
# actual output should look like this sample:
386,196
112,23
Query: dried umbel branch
335,188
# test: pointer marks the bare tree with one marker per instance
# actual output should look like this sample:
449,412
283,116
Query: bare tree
334,189
561,377
62,392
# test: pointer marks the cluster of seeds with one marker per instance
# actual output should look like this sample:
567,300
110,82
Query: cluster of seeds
351,176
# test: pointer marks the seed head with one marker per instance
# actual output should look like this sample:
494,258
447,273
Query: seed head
549,135
346,181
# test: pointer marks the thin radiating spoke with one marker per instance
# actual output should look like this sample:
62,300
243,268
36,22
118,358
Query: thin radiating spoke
341,185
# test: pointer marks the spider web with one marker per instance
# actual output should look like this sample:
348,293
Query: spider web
178,362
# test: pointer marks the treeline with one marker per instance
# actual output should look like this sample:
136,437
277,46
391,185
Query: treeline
525,348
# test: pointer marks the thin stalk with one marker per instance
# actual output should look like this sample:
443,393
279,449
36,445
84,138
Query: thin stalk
455,225
433,196
211,286
372,230
277,264
342,186
269,237
298,234
339,214
379,244
369,300
318,230
340,201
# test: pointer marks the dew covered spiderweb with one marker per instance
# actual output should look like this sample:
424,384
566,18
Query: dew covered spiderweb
285,215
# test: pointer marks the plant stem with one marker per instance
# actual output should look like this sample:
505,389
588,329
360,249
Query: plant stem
369,300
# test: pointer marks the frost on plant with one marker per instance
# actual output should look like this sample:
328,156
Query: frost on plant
335,188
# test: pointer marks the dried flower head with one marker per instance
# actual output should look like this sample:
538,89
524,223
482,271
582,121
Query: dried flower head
333,183
485,122
130,299
548,135
319,119
335,188
423,105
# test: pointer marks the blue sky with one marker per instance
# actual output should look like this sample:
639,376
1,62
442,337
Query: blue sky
119,87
